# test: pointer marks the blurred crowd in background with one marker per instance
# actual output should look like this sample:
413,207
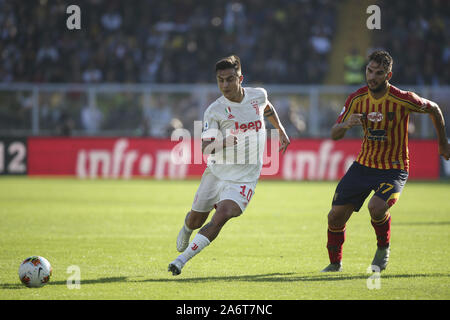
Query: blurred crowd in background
178,42
155,41
417,35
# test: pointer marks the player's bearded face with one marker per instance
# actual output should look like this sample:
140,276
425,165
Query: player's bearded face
377,77
229,83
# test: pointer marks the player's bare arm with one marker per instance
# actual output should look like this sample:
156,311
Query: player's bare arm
271,114
439,124
209,146
339,129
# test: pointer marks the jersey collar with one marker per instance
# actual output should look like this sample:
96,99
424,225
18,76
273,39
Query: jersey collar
237,103
383,97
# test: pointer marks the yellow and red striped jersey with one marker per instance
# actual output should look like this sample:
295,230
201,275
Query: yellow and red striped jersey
385,123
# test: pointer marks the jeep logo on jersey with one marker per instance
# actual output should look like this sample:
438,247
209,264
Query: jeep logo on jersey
253,125
375,117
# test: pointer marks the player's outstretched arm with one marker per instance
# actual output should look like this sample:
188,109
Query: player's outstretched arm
339,129
271,114
439,124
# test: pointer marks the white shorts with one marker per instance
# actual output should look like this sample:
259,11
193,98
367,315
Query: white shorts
212,190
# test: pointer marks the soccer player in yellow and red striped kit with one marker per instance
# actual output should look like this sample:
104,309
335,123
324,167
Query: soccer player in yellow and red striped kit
383,162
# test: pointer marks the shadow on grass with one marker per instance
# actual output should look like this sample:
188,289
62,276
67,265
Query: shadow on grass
18,285
292,277
269,277
423,223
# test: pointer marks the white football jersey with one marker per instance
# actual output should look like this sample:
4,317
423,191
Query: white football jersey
243,161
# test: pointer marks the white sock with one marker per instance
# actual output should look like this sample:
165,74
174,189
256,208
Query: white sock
197,244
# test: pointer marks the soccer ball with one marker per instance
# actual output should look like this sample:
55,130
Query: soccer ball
35,272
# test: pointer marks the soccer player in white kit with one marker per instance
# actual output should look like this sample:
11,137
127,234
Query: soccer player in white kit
234,136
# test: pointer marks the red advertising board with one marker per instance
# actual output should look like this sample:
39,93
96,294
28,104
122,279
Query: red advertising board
305,159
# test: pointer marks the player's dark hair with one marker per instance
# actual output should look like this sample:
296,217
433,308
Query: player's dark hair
231,62
383,58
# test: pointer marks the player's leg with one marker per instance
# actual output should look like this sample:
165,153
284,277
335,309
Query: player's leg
226,210
381,223
232,202
204,200
387,192
337,219
193,221
380,220
196,219
350,194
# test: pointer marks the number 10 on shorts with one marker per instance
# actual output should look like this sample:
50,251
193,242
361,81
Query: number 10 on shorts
247,195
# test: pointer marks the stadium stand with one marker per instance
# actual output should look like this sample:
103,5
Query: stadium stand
177,42
165,41
418,39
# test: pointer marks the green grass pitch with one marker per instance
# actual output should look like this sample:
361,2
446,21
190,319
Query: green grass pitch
121,235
